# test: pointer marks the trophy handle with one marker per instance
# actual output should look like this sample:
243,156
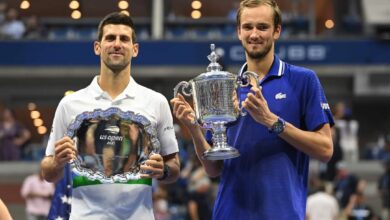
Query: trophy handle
185,86
244,81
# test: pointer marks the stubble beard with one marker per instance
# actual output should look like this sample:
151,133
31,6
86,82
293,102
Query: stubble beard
116,67
259,54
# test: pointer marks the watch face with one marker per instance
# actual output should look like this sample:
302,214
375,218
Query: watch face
278,126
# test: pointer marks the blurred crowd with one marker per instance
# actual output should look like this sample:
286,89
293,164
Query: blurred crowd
13,27
297,24
335,191
13,136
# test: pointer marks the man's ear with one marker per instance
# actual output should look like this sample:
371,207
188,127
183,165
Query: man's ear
96,47
238,30
135,50
278,31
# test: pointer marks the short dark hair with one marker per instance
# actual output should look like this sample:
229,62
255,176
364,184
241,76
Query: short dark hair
255,3
116,18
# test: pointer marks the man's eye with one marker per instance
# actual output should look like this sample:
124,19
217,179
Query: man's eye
262,27
125,39
110,38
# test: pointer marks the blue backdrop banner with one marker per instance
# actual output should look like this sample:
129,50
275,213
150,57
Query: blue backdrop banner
192,53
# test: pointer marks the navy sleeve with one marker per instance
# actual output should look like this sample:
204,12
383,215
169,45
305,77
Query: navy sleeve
317,110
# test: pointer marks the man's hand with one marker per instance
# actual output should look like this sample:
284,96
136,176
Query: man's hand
65,151
52,166
153,167
183,111
257,106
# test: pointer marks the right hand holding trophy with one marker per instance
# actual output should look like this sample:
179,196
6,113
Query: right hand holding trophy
216,103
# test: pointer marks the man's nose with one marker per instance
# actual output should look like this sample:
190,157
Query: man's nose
254,33
117,42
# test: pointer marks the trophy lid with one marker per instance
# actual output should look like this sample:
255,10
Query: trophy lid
213,57
214,69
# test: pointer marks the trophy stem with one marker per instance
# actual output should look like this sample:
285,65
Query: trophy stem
219,135
220,149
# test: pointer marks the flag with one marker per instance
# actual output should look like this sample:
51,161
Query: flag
61,202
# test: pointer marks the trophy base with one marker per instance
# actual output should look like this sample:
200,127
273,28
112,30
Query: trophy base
221,153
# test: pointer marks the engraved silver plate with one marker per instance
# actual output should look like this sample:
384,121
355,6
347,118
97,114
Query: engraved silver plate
112,144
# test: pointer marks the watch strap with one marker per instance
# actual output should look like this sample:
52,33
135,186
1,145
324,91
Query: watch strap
165,172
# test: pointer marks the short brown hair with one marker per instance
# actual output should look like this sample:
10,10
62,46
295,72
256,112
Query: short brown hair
255,3
117,18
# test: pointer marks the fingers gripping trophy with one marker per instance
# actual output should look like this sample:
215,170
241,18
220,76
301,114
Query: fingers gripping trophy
216,103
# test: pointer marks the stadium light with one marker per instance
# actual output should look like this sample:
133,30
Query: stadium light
329,24
35,114
196,5
125,12
31,106
38,122
123,5
196,14
41,130
74,5
25,5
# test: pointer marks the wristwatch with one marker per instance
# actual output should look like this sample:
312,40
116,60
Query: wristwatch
278,126
165,172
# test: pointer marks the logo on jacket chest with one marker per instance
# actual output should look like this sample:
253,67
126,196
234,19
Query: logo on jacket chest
280,95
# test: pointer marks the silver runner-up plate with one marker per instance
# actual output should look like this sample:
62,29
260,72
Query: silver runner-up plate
112,144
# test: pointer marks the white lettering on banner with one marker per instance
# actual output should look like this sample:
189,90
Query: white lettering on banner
301,52
237,53
316,52
296,52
